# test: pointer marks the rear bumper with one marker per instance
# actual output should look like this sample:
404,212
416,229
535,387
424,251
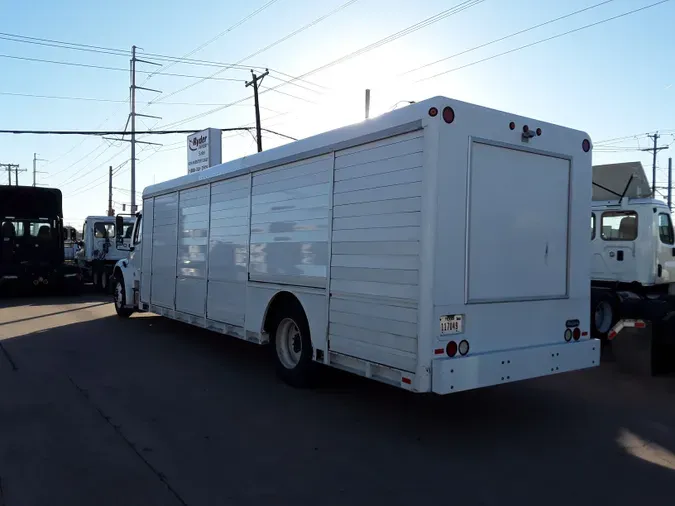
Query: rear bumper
488,369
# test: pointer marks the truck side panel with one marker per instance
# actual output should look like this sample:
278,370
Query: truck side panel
146,250
289,223
193,228
375,252
228,251
164,243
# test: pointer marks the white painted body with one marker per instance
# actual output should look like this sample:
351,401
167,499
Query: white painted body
380,229
635,260
95,247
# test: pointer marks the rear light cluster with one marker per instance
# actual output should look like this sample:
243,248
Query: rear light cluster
448,113
573,334
452,348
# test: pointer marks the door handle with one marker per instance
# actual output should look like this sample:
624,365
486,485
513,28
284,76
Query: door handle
619,255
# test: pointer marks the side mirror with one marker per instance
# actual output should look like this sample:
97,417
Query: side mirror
73,234
65,234
119,228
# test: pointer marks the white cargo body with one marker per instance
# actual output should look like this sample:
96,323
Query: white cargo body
439,223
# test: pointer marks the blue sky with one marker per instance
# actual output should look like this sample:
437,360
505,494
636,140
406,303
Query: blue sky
612,80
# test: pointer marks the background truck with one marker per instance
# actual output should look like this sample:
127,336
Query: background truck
411,249
99,251
32,239
633,264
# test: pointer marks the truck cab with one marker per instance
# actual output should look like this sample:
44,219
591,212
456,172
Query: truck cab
99,249
633,244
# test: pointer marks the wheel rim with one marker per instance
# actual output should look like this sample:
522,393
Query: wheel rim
288,343
104,281
119,295
95,276
603,317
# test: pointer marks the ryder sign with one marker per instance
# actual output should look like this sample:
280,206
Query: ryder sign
204,150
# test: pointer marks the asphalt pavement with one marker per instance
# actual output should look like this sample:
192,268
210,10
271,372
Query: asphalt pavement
102,411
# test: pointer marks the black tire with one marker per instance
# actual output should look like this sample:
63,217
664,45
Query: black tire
105,282
122,312
603,302
303,373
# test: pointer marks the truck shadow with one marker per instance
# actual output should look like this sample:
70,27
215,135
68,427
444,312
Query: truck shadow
210,415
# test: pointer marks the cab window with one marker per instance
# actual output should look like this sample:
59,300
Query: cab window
619,226
666,229
592,226
103,230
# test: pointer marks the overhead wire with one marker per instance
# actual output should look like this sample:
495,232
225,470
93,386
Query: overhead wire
525,46
266,48
514,34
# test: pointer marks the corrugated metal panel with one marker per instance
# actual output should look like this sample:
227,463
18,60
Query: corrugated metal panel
192,250
375,251
290,216
146,248
164,243
228,251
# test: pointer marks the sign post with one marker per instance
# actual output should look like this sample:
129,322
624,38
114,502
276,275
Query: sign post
204,150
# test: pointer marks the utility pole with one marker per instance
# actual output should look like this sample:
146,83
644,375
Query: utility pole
654,151
110,209
132,116
255,82
670,183
9,167
367,104
35,171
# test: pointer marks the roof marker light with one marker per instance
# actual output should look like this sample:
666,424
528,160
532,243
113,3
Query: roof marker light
448,115
433,112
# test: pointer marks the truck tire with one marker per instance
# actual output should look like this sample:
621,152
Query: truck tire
120,301
104,282
604,313
292,346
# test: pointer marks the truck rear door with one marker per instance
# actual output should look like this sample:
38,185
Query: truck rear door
517,225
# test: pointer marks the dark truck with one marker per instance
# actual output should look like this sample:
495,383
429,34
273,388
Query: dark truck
32,240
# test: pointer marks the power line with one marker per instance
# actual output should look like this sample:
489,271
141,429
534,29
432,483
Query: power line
117,69
543,40
106,100
269,46
467,4
412,28
514,34
224,32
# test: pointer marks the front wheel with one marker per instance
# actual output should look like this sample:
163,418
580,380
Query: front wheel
293,348
120,300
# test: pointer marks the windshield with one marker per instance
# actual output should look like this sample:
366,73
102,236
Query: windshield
40,229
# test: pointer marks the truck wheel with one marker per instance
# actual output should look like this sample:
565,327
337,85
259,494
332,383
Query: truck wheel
105,282
293,347
120,300
604,315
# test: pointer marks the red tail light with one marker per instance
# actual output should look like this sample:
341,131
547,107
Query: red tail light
586,145
448,115
451,349
577,334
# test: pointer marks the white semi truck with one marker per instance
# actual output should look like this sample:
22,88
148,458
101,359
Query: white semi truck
411,249
633,259
99,250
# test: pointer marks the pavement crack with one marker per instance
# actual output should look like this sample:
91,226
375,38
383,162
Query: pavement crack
9,359
161,476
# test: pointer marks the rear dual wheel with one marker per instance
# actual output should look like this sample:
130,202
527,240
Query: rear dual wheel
292,346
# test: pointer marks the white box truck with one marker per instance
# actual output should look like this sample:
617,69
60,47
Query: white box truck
440,247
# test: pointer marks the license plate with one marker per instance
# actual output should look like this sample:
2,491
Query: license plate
452,324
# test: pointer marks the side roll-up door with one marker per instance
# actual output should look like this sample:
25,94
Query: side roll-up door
193,230
164,239
375,252
146,249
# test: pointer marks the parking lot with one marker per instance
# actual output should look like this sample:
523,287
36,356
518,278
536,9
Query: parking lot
96,410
